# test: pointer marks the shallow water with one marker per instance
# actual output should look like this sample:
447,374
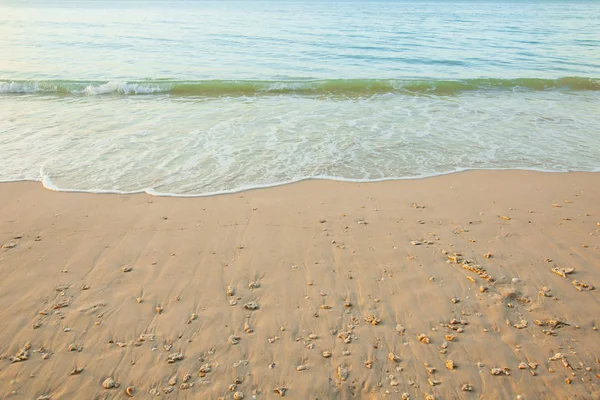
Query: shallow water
193,98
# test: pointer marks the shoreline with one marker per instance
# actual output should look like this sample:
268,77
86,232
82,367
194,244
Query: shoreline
47,183
324,288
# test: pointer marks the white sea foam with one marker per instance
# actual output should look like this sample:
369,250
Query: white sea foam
18,87
119,87
192,147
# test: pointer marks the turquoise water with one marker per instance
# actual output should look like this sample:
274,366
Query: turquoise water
198,97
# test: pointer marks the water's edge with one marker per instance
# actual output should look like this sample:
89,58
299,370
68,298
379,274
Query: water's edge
49,185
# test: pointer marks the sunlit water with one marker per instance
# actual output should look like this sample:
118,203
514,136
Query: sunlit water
197,97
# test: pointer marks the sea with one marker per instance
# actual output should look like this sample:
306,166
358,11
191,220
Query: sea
192,98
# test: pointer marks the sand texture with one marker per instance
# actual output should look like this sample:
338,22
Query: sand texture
478,285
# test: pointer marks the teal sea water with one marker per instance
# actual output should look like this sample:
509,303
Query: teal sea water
201,97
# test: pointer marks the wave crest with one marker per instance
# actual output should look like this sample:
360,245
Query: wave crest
334,87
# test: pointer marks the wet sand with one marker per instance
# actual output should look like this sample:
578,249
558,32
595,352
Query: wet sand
478,285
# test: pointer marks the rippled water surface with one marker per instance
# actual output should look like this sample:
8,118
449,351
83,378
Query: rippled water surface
197,97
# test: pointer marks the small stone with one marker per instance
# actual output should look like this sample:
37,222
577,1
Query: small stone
302,368
450,365
326,354
109,383
126,268
76,371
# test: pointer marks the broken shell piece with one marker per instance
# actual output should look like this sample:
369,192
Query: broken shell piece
174,357
368,364
450,365
345,336
582,286
470,278
450,338
504,217
562,271
466,388
251,306
109,383
423,338
130,391
430,370
326,354
500,371
254,285
248,328
432,382
173,380
521,325
342,373
554,323
126,268
158,309
393,357
455,258
9,245
303,367
416,242
238,396
76,371
280,391
522,366
455,300
483,289
230,291
22,355
487,255
74,347
233,339
205,369
325,307
372,319
400,328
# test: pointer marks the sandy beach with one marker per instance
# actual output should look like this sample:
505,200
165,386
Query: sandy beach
477,285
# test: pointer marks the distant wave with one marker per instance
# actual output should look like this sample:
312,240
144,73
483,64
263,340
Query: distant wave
334,87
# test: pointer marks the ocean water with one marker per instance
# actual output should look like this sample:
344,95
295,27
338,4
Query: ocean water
201,97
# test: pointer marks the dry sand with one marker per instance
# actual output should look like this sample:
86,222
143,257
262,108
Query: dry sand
135,289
